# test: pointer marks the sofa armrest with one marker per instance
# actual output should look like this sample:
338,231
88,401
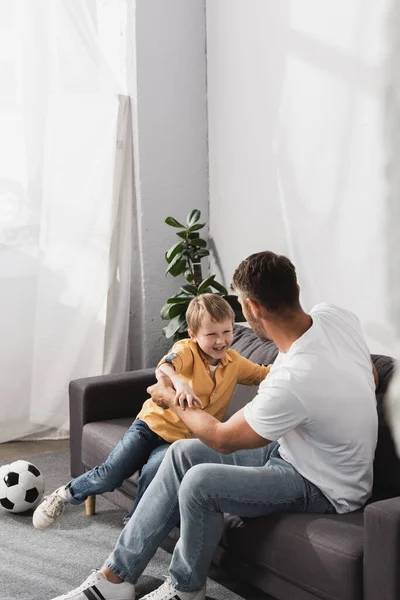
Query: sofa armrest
382,550
102,398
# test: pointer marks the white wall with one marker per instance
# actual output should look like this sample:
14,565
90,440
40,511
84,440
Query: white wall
171,161
296,155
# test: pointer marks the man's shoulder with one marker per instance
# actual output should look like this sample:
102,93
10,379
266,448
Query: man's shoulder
330,309
332,313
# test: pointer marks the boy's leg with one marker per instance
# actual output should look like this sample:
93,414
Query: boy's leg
129,455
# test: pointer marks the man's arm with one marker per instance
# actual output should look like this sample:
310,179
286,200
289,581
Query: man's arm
234,434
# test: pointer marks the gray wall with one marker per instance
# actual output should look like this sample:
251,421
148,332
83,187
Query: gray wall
171,156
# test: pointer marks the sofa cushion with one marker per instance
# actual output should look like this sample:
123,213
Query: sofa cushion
322,554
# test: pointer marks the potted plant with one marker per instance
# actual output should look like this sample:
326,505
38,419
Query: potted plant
184,258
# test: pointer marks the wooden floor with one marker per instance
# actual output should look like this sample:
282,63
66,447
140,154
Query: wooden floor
14,450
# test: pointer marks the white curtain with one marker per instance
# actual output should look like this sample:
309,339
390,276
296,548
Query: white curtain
392,237
66,189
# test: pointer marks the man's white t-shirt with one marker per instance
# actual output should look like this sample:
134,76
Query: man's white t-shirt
318,402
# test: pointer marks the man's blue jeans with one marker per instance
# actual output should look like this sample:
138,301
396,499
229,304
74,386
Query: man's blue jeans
197,485
140,448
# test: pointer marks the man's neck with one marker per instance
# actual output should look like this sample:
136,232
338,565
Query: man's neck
285,334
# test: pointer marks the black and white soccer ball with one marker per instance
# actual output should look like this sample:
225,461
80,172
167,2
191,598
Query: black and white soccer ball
21,486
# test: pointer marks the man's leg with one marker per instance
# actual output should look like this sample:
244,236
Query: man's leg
147,475
212,484
158,512
208,491
149,470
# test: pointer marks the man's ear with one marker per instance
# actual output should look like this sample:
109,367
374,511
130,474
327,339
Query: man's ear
254,307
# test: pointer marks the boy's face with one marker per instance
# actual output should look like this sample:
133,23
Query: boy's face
213,338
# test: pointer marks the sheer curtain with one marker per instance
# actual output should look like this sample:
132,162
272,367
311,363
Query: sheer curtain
66,190
392,140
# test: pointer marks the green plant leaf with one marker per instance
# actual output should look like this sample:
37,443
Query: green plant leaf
189,289
173,326
177,299
198,242
193,217
202,253
164,312
188,275
205,283
219,287
173,222
173,251
177,309
176,267
173,262
182,234
196,227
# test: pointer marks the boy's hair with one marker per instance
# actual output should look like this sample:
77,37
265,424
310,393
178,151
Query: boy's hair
211,304
270,279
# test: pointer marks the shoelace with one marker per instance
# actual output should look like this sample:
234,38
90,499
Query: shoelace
54,506
91,580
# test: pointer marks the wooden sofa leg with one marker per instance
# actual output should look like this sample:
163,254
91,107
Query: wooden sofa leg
90,504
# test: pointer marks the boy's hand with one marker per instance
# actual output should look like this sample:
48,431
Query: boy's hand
185,396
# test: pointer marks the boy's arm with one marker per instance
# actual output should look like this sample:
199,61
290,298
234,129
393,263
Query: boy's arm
185,395
251,373
234,434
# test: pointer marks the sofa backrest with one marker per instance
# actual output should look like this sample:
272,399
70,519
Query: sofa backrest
386,464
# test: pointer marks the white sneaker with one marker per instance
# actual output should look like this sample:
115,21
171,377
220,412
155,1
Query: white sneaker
97,587
167,591
50,509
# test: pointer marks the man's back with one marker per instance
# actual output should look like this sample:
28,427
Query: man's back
319,403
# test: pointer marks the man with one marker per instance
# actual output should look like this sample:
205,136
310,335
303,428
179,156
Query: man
304,444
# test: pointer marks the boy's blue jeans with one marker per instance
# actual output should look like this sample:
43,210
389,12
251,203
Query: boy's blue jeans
140,448
197,485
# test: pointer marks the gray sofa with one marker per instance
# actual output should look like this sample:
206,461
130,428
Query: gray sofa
292,556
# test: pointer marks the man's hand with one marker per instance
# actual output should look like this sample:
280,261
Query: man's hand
162,392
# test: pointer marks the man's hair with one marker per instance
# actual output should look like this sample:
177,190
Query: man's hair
211,304
270,279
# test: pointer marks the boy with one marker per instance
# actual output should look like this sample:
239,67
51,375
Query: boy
204,372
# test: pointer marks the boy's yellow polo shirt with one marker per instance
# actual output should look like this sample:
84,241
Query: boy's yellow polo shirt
188,361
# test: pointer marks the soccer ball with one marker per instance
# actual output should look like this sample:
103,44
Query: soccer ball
21,486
